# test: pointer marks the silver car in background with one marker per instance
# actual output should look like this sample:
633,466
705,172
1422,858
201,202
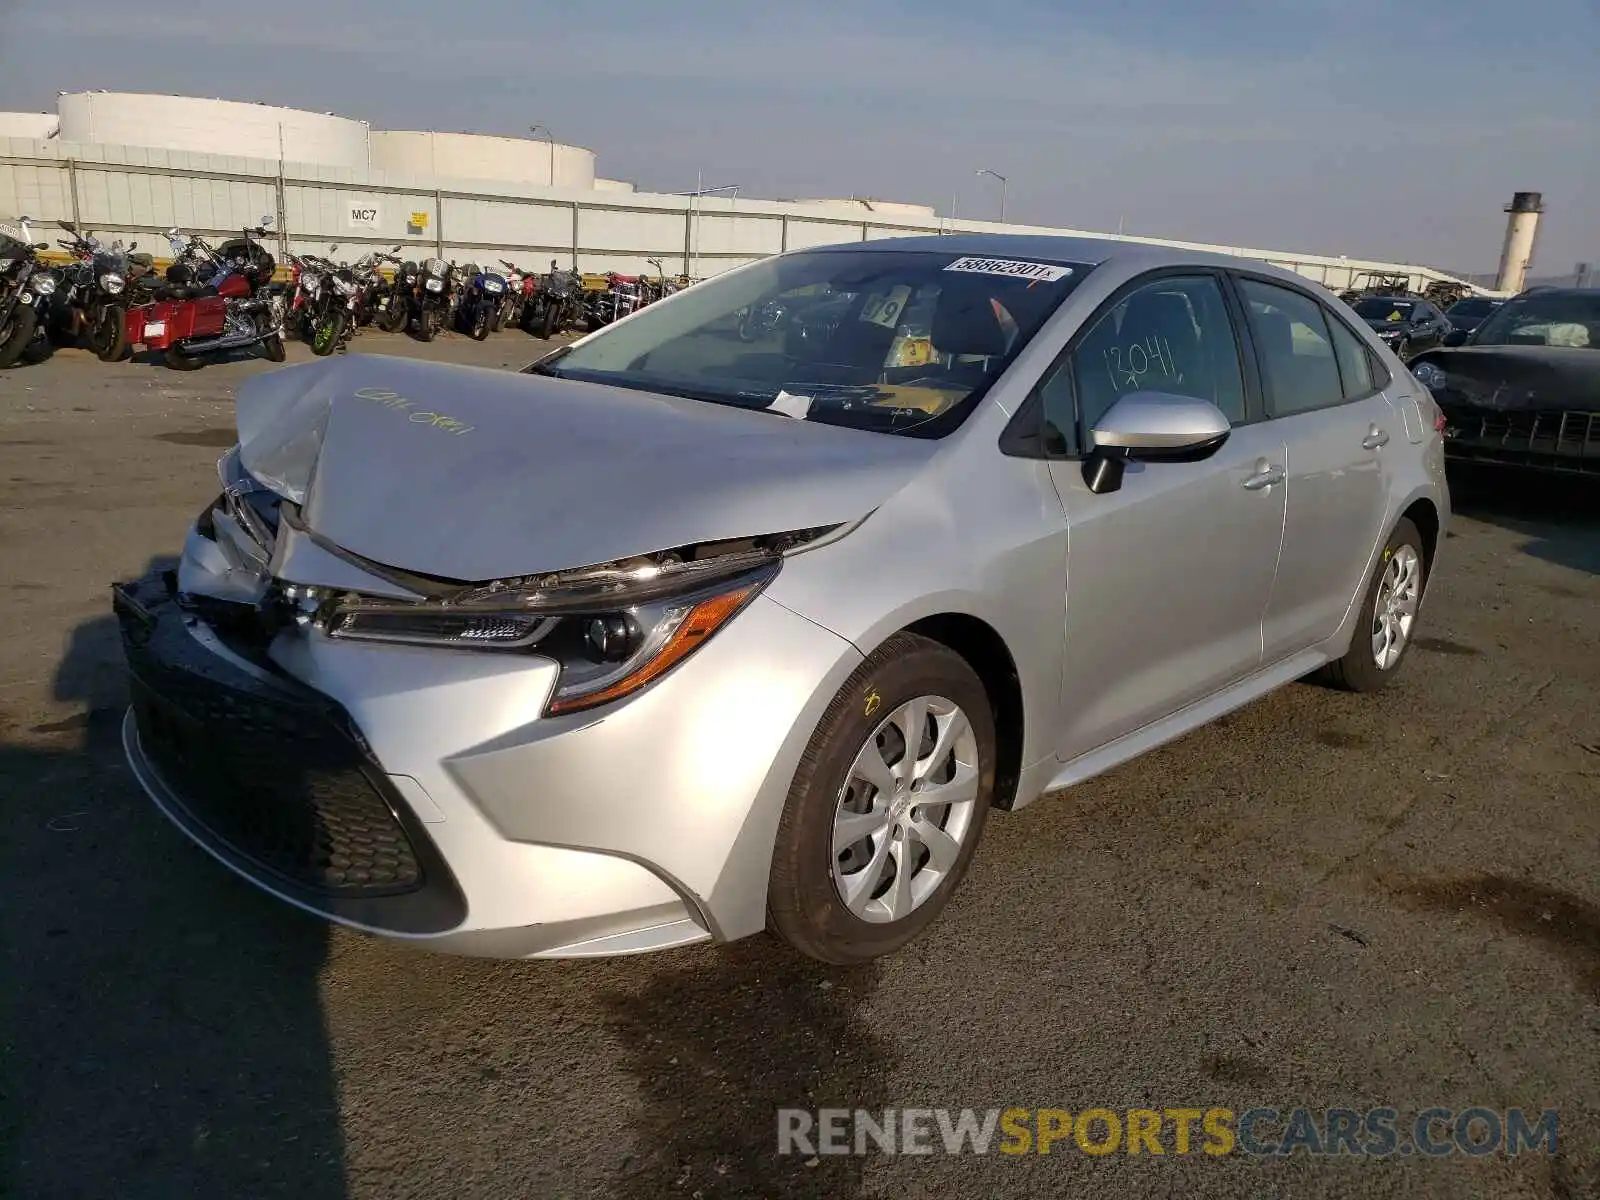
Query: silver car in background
679,635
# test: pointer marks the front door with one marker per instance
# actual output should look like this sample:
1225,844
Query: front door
1168,576
1322,388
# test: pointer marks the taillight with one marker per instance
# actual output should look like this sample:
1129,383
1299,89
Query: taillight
1438,422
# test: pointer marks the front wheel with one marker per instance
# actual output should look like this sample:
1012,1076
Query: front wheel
272,348
17,333
109,337
548,321
394,317
1388,616
887,806
428,324
480,326
327,334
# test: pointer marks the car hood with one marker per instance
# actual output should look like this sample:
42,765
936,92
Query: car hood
1521,378
473,474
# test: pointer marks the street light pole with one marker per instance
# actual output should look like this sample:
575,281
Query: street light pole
551,138
1002,179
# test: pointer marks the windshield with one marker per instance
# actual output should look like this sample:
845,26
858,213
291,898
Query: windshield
1559,320
899,341
1384,308
1471,308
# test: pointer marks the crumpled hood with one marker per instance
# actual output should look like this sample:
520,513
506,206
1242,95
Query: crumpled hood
474,474
1520,378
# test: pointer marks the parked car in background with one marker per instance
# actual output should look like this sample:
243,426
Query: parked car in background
1523,388
675,638
1408,325
1466,315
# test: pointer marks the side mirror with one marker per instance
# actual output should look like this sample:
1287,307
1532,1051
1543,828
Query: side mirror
69,226
266,222
1151,427
1456,337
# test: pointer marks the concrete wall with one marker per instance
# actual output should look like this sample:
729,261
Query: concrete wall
211,127
476,156
137,193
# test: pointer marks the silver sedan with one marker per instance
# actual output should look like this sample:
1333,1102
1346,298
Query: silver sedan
694,629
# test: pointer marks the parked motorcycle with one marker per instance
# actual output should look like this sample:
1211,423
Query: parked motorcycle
90,304
558,305
619,298
382,302
510,313
480,301
212,304
431,306
406,277
26,284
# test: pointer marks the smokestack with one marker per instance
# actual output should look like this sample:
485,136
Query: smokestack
1521,229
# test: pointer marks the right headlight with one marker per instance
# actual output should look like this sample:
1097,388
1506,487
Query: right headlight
612,629
112,284
310,283
435,285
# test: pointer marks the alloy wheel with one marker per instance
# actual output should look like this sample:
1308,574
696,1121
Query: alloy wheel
905,810
1395,611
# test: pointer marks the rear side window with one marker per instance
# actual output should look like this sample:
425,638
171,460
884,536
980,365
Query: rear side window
1355,363
1296,350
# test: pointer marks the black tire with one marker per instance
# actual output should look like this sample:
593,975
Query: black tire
804,906
272,348
1358,670
1403,351
480,326
16,335
327,335
109,337
548,321
40,348
394,319
427,325
179,361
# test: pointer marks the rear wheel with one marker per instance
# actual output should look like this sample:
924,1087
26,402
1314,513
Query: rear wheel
109,337
1388,616
179,361
16,334
887,806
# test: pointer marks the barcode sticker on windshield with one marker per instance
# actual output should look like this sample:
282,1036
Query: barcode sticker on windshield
1010,267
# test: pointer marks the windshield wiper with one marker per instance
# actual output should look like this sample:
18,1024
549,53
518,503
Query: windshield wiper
546,365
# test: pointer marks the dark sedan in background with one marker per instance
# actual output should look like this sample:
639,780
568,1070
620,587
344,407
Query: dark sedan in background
1466,315
1523,388
1407,324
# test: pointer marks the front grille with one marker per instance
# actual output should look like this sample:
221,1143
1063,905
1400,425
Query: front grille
279,787
1558,441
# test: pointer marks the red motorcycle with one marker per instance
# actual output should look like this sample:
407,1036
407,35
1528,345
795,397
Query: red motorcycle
214,301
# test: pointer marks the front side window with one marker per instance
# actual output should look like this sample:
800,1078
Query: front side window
898,341
1170,335
1570,320
1296,351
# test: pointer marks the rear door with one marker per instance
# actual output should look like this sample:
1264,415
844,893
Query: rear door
1167,577
1323,393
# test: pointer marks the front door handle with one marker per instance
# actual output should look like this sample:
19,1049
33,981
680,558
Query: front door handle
1375,437
1263,478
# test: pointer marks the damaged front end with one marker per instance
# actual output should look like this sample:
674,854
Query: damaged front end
612,628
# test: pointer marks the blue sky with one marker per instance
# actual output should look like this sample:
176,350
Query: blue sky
1373,128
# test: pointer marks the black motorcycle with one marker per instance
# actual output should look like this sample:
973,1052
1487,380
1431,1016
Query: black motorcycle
557,306
383,299
91,303
433,306
26,285
619,299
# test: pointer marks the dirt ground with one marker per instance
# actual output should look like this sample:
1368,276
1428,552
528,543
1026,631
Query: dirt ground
1323,900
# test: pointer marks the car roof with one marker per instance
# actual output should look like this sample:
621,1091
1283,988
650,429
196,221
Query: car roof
1563,292
1091,252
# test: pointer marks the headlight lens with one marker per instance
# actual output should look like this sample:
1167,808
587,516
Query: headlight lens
345,287
112,283
42,285
311,282
1429,375
435,285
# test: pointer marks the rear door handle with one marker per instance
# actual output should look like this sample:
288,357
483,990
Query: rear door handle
1375,438
1264,478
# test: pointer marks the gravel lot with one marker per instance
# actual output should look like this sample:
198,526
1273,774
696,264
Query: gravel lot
1322,900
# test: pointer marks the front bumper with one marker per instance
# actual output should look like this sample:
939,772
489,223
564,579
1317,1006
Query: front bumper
1564,442
418,794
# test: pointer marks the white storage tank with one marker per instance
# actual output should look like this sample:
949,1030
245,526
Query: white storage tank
213,127
612,185
868,207
37,126
468,156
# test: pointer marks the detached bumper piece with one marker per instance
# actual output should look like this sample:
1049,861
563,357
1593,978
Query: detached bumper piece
270,776
1549,441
